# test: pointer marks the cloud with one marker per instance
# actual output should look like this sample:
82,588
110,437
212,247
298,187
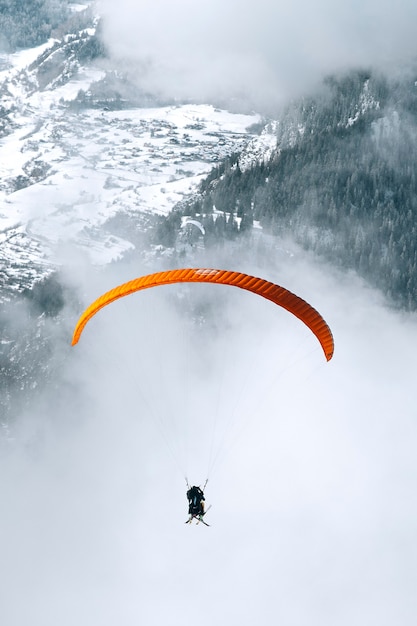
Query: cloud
313,516
264,51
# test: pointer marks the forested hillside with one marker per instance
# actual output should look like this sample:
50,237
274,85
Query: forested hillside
342,181
25,23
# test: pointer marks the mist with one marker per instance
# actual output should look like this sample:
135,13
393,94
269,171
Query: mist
259,53
311,480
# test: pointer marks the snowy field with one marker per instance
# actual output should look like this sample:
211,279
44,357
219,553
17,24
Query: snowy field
87,166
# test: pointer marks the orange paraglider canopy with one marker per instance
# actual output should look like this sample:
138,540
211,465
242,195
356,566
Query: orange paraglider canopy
278,295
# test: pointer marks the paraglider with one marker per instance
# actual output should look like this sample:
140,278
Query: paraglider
195,497
275,293
193,222
190,236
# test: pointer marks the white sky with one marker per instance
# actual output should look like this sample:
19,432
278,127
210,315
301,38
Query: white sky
314,514
266,50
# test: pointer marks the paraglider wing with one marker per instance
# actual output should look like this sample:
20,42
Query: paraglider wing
278,295
194,223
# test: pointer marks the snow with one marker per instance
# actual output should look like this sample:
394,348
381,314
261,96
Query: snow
23,58
366,102
76,7
260,148
132,150
83,167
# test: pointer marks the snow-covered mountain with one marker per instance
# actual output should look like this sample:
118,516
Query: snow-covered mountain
66,170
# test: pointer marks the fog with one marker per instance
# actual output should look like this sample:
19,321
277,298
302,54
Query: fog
311,465
261,53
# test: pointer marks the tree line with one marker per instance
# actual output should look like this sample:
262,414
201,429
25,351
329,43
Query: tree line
342,182
26,24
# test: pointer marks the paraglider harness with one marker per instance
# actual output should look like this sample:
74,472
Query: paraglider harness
195,497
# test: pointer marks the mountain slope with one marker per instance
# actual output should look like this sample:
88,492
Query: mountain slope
342,180
80,158
87,173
